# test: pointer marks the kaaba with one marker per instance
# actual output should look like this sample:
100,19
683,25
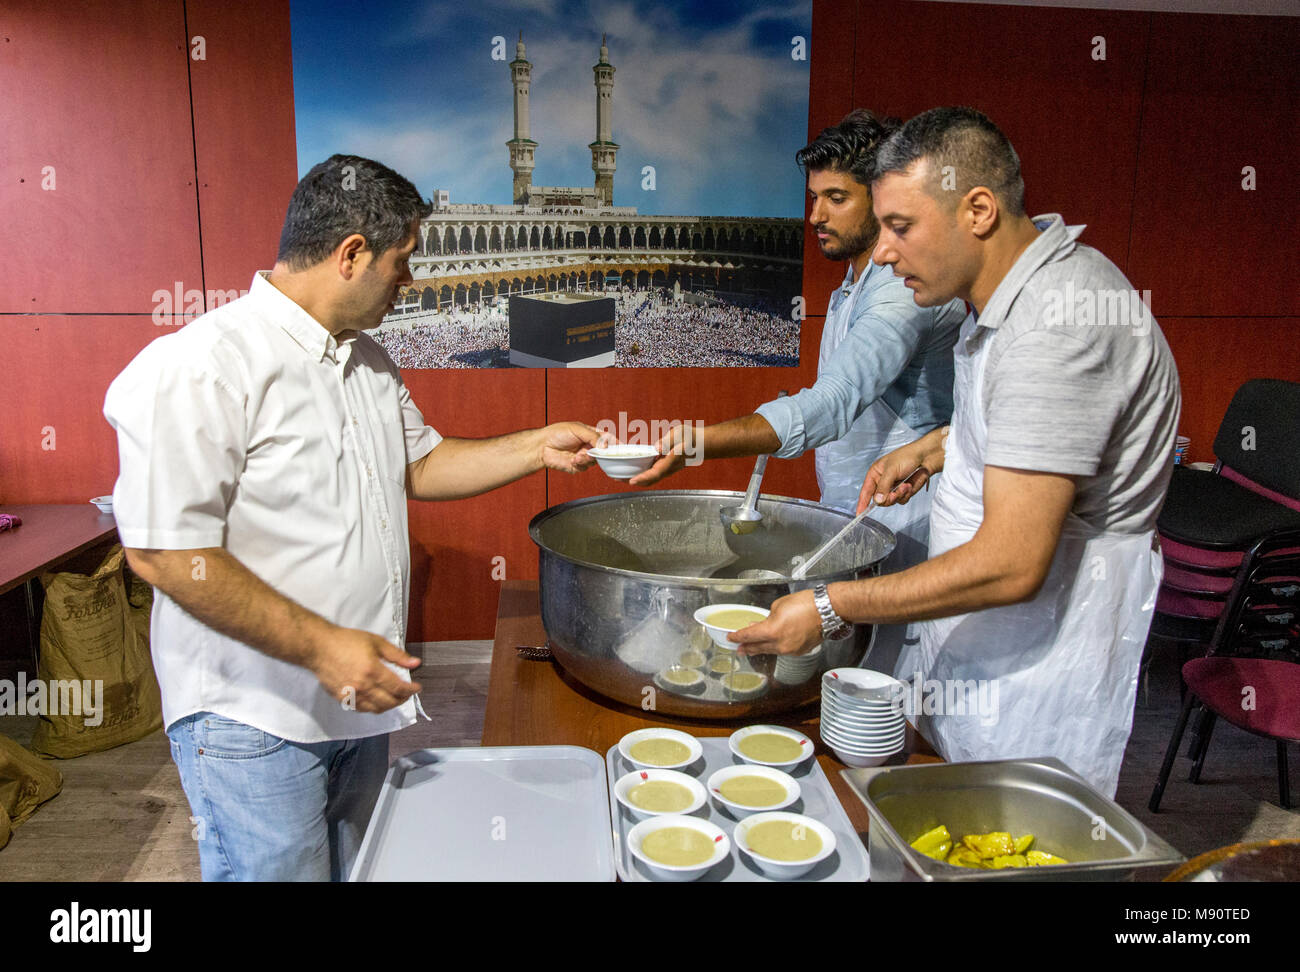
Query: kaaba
561,330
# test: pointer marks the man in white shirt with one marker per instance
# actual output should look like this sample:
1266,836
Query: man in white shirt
267,451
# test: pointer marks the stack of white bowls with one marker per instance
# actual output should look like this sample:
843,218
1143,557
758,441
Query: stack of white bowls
797,669
862,715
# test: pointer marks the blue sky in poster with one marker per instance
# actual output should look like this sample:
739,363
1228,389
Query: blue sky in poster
706,91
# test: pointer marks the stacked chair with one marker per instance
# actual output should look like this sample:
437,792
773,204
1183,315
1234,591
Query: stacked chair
1231,544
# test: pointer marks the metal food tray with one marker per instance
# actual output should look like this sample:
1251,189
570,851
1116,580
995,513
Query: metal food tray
509,813
1042,796
816,799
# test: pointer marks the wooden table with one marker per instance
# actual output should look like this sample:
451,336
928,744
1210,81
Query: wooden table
50,536
533,703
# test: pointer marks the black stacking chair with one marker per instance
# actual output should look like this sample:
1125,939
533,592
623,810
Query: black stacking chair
1250,677
1216,529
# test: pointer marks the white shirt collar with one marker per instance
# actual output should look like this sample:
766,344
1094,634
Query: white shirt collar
310,334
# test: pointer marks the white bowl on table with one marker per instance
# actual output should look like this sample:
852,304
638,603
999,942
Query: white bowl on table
627,782
863,746
805,744
103,503
632,738
863,762
624,461
792,789
862,686
678,872
875,720
785,870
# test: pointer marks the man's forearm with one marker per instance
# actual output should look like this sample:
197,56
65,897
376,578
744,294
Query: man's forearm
968,578
747,435
457,468
221,592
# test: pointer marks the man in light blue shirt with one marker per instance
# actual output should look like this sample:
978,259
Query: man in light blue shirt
884,373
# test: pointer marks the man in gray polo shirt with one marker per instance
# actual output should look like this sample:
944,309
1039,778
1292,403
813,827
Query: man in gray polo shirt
1043,568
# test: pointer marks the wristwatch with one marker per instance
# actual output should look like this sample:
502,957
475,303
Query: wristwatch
834,627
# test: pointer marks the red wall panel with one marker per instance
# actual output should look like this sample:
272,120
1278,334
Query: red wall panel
1220,95
67,365
1215,357
244,137
1073,120
98,91
453,591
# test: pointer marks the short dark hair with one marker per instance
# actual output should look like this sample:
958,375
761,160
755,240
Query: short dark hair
849,146
343,195
961,143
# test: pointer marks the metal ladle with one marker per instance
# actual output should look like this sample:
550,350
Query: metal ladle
745,519
742,520
801,571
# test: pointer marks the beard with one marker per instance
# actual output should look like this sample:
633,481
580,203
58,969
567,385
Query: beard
848,246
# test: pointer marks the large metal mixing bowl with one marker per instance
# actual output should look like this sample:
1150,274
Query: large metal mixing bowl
622,576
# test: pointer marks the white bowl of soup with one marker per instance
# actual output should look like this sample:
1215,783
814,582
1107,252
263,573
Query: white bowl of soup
784,845
750,789
659,749
653,792
774,746
719,620
681,681
678,848
624,461
743,684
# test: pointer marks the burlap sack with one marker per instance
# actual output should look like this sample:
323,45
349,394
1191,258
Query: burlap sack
90,634
25,783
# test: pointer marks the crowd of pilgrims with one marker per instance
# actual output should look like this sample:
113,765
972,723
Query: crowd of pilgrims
652,330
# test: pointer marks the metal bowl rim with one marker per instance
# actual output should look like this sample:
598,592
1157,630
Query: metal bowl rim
553,511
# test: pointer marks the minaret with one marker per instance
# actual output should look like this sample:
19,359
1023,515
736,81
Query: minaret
521,146
604,149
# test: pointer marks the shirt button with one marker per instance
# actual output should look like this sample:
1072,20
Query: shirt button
384,524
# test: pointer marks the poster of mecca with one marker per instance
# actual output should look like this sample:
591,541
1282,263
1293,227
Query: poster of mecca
612,184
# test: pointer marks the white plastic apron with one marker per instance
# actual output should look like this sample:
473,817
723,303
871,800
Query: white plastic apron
842,466
1054,676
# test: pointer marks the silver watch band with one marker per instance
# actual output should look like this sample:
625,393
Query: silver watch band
833,626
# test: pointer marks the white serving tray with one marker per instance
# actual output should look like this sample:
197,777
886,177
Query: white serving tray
508,813
817,799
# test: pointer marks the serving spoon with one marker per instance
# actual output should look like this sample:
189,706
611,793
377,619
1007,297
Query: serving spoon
745,518
801,571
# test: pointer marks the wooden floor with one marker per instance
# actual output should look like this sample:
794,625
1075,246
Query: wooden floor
122,815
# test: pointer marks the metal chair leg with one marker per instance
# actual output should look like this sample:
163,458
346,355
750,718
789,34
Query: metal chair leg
1195,775
1172,751
1283,781
1198,732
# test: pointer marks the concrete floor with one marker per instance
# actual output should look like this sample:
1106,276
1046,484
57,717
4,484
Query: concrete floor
122,815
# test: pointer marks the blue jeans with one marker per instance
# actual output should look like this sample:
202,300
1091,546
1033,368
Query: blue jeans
266,809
